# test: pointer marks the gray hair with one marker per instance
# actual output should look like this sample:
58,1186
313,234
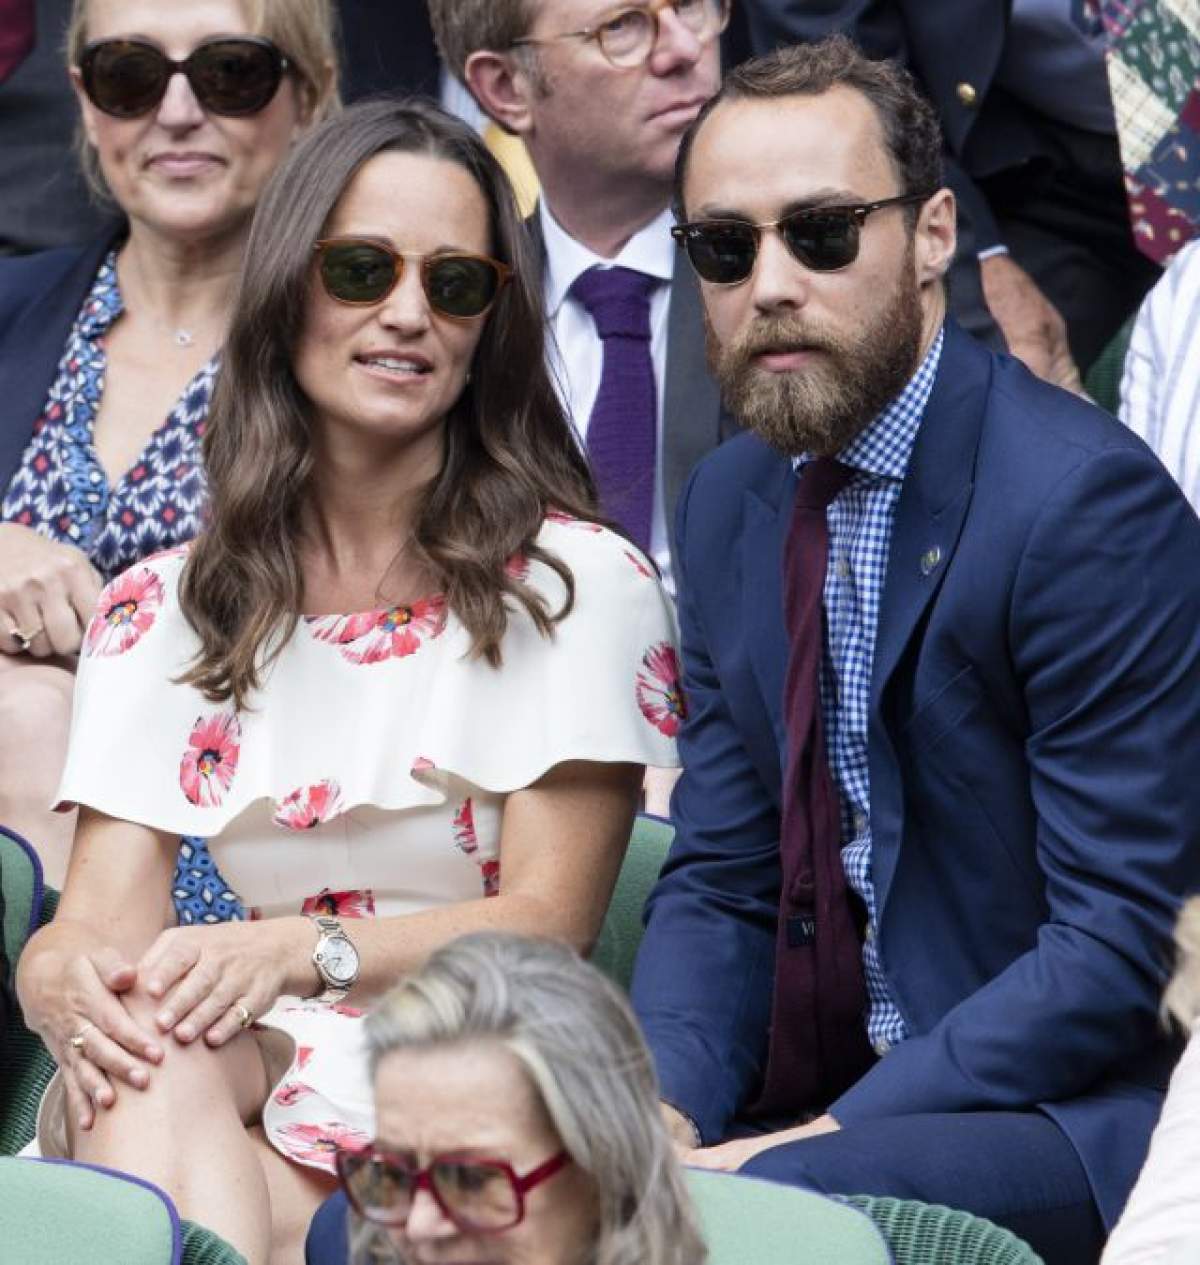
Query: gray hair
576,1037
1182,998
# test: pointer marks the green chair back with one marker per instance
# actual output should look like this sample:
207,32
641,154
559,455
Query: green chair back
928,1234
26,1065
751,1222
617,945
1103,380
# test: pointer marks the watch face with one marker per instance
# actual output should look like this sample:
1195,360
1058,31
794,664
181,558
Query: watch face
339,960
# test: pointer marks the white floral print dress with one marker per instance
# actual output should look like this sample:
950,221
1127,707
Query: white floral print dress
368,777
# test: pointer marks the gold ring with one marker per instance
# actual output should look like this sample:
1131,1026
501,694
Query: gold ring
76,1042
23,639
245,1018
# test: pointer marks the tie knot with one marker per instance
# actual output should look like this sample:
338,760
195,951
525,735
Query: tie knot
618,300
820,481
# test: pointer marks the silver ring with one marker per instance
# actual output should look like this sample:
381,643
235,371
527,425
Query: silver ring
76,1042
245,1018
23,639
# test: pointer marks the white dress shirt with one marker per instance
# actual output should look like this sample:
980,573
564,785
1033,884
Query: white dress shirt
575,352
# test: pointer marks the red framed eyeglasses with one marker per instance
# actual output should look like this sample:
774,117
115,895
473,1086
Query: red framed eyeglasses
480,1195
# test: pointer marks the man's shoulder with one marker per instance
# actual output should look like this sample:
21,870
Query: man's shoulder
743,463
27,278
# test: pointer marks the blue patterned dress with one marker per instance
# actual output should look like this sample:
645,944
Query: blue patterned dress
62,492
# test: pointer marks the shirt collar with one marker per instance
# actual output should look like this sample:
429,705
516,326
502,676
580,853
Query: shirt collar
650,250
104,302
885,446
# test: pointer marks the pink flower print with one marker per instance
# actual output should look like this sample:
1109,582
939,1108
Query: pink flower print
491,878
517,568
464,828
208,766
303,1054
340,904
569,520
177,551
639,564
376,636
125,612
318,1143
422,764
290,1093
349,1012
659,692
309,806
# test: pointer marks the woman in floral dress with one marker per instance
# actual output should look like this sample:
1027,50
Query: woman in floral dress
404,684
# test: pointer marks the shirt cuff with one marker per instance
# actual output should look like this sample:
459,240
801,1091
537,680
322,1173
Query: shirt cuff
992,251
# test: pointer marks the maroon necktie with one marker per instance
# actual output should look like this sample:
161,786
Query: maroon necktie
818,1042
622,435
16,34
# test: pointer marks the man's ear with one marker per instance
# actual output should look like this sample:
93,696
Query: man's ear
936,236
503,88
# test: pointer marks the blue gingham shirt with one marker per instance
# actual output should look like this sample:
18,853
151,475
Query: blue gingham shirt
860,532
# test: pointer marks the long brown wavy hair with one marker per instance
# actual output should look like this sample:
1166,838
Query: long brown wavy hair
510,455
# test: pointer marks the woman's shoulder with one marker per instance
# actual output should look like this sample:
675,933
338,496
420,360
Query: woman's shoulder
133,602
596,554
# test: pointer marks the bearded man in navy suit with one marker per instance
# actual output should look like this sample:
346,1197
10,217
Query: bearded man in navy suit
941,645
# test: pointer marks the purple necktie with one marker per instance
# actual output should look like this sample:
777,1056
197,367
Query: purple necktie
622,434
818,1043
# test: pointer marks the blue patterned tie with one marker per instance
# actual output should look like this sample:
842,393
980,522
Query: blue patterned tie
622,434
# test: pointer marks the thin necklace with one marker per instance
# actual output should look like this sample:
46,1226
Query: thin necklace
184,337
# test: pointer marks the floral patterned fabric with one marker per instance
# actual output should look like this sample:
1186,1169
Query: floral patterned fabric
369,777
61,489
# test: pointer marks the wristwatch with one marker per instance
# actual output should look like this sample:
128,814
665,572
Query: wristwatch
335,959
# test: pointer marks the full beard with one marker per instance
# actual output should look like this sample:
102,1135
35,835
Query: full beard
823,407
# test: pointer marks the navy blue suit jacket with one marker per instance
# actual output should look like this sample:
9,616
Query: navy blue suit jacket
1035,799
40,297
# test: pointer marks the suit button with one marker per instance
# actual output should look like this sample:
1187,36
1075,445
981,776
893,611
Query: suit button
882,1047
967,95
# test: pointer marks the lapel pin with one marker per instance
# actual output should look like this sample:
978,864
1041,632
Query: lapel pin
930,559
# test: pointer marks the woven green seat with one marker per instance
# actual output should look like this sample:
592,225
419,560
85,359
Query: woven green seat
928,1234
617,945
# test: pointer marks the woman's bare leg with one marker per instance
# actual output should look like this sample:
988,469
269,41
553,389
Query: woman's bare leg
296,1194
35,715
187,1134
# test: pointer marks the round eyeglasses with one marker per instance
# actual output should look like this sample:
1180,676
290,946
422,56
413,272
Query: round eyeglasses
481,1196
628,36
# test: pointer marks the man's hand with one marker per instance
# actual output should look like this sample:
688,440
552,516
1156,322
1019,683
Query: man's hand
1030,323
730,1156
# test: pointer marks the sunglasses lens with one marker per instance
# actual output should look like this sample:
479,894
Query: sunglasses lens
357,272
123,78
234,76
722,253
479,1195
823,243
460,285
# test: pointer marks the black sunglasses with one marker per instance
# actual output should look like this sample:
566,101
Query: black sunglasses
824,238
232,76
360,272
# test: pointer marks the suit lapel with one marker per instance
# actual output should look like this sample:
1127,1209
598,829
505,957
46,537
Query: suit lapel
929,520
765,522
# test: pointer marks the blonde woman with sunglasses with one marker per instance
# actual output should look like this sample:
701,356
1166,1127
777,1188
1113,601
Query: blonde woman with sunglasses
404,684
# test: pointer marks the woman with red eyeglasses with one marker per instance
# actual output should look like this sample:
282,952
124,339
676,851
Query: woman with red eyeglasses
404,683
516,1122
109,351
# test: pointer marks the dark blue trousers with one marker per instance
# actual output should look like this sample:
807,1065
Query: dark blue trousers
1015,1168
